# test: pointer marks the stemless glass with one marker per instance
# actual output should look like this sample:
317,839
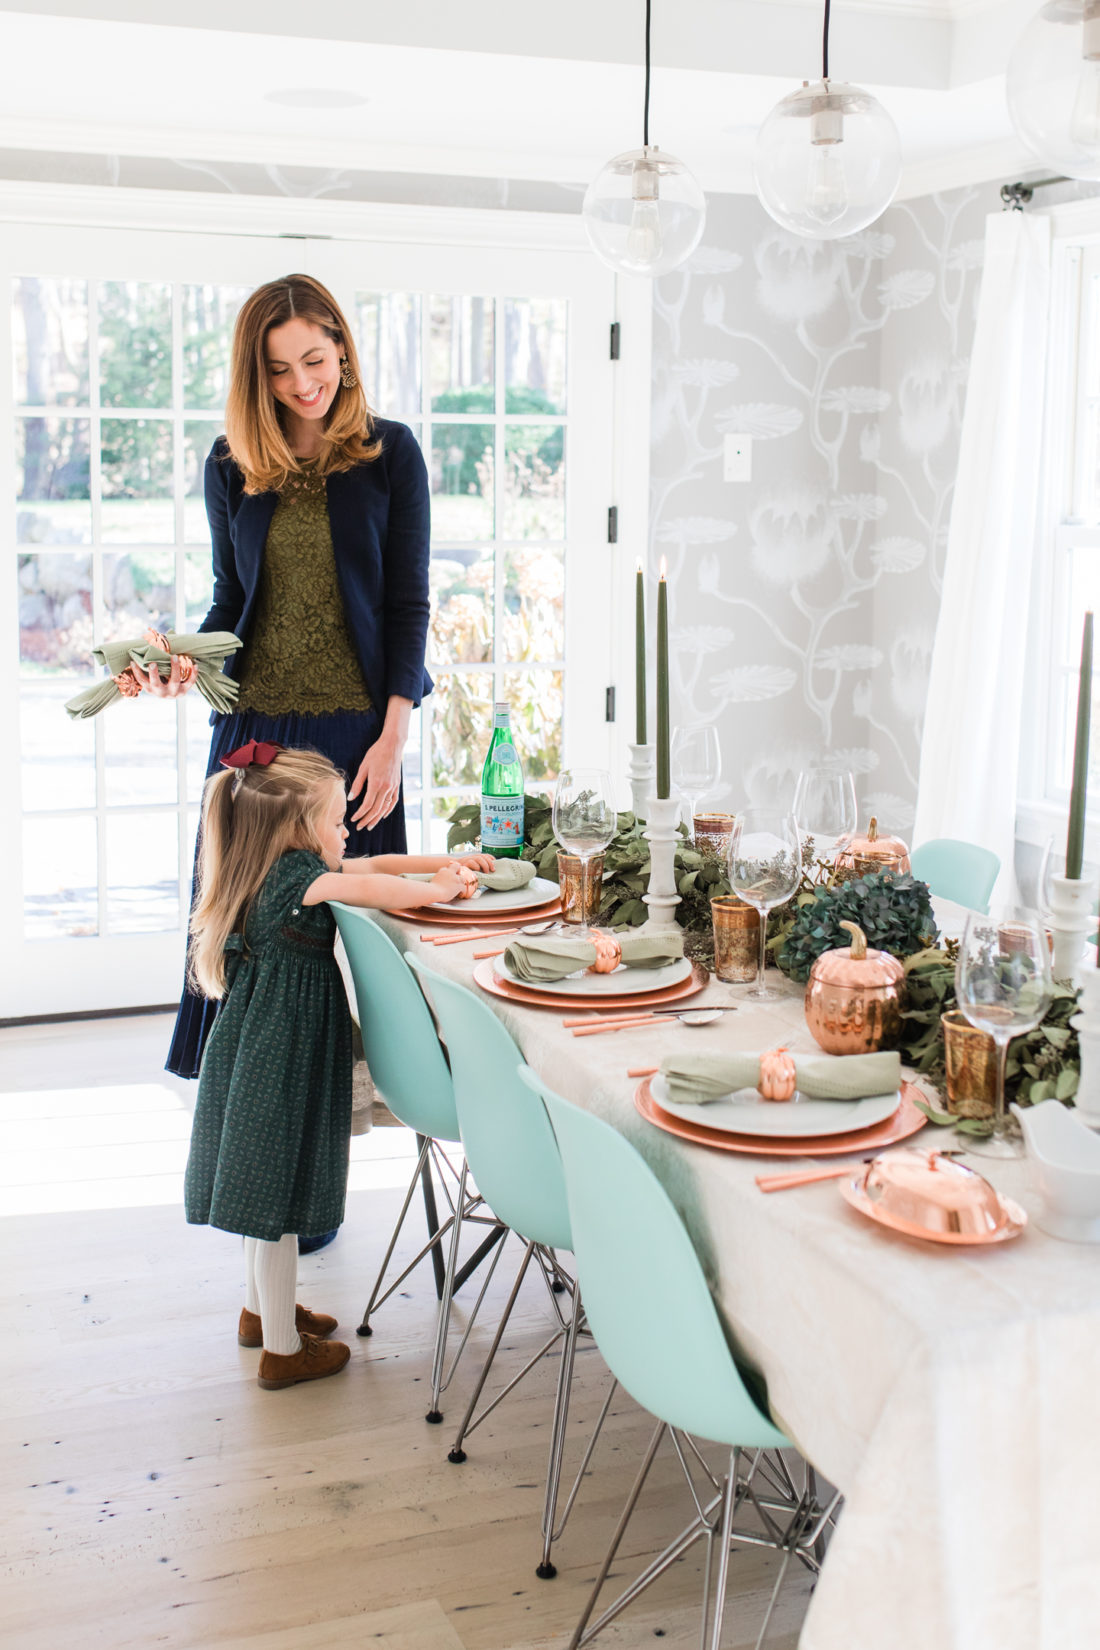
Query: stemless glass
584,816
1002,985
696,761
765,868
825,807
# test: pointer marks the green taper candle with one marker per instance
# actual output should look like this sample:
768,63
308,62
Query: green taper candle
664,781
639,658
1075,840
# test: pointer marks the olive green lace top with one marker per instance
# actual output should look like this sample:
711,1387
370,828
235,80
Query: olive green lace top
299,657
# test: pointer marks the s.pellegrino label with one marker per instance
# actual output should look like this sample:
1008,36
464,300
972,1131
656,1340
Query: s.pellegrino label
502,792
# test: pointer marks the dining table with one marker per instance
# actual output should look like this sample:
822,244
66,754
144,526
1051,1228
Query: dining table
951,1393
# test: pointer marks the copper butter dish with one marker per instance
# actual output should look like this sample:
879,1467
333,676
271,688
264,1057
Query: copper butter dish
925,1195
854,997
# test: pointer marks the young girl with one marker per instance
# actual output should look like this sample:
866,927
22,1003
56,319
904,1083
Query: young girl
269,1144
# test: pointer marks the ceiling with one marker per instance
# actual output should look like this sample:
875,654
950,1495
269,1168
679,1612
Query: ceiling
497,88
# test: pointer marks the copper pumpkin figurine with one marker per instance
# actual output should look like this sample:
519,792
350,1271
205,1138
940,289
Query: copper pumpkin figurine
861,854
854,998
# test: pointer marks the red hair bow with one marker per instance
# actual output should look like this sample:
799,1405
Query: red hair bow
257,751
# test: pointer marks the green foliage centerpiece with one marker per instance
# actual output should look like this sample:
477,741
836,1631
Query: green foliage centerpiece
893,909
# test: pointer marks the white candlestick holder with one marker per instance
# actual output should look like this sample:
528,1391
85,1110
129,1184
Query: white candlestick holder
662,813
1086,1023
1071,919
642,774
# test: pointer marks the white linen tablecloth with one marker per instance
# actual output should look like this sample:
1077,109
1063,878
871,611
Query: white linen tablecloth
952,1394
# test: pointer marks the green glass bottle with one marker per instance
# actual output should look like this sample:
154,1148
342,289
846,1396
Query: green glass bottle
502,792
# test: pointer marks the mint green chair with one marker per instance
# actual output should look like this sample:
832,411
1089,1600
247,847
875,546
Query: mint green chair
959,871
649,1306
511,1149
409,1071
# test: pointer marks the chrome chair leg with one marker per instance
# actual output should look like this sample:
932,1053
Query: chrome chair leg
434,1414
546,1570
579,1635
730,1499
458,1454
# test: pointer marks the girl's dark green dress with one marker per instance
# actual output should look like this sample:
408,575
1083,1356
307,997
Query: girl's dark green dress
269,1143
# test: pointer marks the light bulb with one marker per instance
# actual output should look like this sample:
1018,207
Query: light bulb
644,241
644,213
851,169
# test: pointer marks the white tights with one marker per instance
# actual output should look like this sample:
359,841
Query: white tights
270,1284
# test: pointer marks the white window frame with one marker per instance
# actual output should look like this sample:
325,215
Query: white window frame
393,241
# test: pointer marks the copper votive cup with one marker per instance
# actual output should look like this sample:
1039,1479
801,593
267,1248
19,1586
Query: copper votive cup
581,884
736,939
715,829
971,1059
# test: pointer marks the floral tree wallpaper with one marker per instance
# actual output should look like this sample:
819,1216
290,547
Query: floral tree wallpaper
804,601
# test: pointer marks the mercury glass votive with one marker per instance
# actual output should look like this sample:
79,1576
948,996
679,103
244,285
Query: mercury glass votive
736,939
581,885
971,1059
715,829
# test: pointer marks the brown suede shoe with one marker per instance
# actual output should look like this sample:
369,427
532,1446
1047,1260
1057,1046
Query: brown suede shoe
313,1362
250,1331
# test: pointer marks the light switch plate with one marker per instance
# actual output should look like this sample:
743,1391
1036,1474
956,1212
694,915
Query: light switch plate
737,458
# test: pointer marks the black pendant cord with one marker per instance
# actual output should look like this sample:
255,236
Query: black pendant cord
645,115
825,43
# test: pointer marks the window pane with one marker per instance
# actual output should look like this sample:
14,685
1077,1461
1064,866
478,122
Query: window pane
196,714
135,344
59,878
462,481
50,341
534,481
199,436
58,754
139,748
536,700
442,808
535,346
136,454
534,595
198,587
55,614
462,354
139,593
388,326
208,314
52,482
142,873
411,764
462,722
462,607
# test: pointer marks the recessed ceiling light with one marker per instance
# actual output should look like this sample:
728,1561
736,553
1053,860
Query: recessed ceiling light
315,97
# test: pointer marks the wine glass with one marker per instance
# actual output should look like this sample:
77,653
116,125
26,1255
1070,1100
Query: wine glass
1002,985
765,868
696,764
584,818
825,807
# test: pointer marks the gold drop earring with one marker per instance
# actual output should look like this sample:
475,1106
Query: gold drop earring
347,377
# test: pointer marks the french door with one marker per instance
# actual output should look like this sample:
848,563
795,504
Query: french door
117,353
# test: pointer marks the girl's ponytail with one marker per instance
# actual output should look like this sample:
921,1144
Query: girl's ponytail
250,818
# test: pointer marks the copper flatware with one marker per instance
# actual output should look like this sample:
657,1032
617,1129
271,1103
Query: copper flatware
617,1025
643,1071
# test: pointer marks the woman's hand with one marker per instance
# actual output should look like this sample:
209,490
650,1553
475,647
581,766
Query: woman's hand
476,862
448,883
379,778
181,678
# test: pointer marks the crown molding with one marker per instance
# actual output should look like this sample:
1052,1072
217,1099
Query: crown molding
992,163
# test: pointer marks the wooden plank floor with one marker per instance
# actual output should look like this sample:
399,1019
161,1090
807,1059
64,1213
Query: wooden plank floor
153,1495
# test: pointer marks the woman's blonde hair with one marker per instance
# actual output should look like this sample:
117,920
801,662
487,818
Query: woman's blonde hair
250,818
254,418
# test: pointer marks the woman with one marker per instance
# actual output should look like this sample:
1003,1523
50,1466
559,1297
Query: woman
319,518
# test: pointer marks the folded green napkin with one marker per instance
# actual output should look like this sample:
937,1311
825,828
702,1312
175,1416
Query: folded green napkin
554,956
506,875
209,650
695,1079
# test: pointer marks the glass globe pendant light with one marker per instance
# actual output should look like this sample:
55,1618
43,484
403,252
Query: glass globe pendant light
1053,86
828,157
644,213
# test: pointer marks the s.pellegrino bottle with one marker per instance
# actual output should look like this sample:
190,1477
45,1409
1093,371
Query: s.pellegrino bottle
502,792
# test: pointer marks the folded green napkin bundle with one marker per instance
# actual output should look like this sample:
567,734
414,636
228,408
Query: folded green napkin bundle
506,875
553,956
696,1079
209,649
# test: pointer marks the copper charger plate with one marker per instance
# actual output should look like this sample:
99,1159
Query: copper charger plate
904,1122
852,1191
532,997
464,918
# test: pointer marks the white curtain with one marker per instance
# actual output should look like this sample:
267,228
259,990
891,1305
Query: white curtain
970,749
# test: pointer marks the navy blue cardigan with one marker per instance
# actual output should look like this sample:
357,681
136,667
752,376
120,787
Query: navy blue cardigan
380,519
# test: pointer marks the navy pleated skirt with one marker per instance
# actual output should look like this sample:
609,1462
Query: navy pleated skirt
344,738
